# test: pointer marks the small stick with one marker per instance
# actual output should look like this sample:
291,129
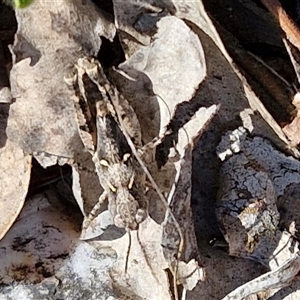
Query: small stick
128,251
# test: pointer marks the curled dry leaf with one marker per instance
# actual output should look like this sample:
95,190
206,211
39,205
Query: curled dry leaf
182,246
269,283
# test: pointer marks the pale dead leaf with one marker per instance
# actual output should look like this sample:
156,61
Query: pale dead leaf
292,130
5,95
15,169
130,37
145,262
189,274
164,73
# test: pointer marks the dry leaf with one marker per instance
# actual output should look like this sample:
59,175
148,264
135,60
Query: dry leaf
182,245
143,250
151,25
164,73
42,118
15,169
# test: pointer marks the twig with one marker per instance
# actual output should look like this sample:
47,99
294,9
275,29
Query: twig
155,186
289,86
128,251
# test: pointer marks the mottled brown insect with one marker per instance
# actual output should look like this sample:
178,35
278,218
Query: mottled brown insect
100,129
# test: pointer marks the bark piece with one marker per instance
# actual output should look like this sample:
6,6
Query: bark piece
253,184
252,180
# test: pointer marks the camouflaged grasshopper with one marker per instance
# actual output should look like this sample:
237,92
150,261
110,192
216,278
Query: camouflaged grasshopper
120,175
